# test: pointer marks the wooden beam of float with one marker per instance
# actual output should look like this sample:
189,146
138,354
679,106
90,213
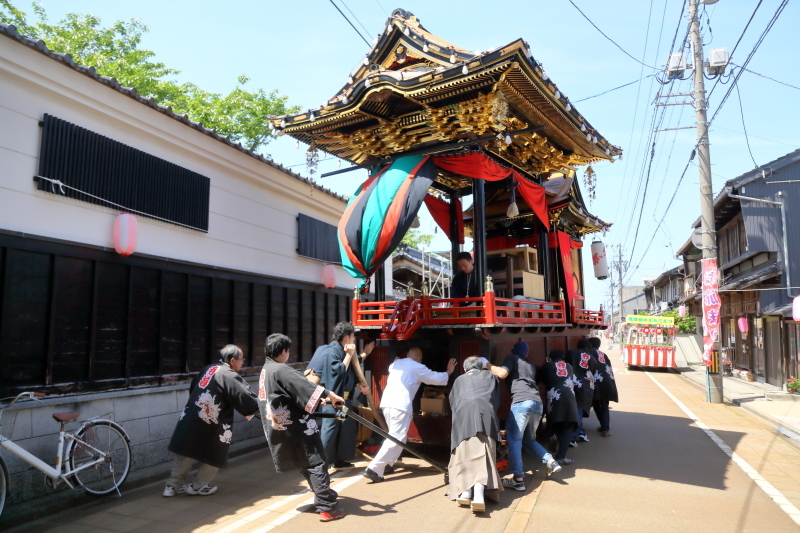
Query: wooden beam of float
434,149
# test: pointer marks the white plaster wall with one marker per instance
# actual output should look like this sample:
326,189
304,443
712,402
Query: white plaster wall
253,206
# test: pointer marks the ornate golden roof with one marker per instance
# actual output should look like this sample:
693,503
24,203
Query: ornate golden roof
414,91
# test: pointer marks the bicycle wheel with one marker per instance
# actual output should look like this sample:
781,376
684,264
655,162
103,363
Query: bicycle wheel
3,484
110,439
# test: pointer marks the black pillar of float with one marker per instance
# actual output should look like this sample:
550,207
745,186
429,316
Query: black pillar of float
479,231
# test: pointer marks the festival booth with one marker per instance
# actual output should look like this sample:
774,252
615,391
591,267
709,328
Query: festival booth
437,125
650,341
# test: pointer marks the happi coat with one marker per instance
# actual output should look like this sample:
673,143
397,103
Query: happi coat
204,429
584,365
561,406
474,400
286,400
605,386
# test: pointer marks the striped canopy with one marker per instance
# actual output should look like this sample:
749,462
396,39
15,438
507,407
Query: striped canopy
381,211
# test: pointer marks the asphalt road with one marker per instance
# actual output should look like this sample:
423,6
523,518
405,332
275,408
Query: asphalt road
659,471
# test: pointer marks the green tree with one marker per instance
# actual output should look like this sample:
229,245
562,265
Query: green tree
416,239
687,324
115,51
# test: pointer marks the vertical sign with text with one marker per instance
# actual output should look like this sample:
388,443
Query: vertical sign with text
711,308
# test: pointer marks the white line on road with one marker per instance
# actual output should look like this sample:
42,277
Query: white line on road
766,486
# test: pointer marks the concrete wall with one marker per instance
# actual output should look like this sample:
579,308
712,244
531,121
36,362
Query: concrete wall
147,415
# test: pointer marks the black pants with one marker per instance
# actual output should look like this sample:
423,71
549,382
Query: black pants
339,436
563,430
603,414
320,483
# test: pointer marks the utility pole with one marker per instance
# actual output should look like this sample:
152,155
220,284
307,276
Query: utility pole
620,265
707,224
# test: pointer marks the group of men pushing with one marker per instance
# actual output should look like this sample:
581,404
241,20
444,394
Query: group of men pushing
287,402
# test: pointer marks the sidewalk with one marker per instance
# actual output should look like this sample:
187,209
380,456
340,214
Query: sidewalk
758,398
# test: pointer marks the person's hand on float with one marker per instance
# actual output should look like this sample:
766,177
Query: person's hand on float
364,389
367,350
451,366
350,349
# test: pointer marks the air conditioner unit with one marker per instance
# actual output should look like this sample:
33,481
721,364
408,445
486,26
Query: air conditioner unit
718,59
676,65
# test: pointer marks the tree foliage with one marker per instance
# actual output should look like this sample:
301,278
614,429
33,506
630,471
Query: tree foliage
115,51
417,240
687,324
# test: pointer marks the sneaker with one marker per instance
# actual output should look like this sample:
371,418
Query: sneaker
343,465
170,491
205,490
573,444
329,516
583,437
605,434
553,467
372,475
511,483
565,461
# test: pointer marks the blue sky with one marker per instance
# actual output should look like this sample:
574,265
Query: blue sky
306,51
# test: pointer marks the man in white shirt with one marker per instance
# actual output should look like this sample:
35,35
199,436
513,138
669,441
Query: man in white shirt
405,377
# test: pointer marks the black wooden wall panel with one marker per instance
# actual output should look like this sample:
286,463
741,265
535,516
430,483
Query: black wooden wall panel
23,347
72,320
77,319
261,326
293,323
242,302
199,323
221,315
173,322
144,322
111,324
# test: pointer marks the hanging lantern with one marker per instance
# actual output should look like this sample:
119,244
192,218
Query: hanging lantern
796,309
329,276
682,311
646,331
125,234
599,260
742,323
659,331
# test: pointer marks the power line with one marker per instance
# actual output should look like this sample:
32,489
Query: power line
609,38
767,77
614,89
355,17
737,44
351,24
746,138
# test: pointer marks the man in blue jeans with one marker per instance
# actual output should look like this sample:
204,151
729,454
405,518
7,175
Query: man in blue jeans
526,412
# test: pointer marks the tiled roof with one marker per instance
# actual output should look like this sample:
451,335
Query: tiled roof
11,32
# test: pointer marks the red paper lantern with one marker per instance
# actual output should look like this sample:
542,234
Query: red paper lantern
646,331
125,234
659,331
329,276
796,309
743,326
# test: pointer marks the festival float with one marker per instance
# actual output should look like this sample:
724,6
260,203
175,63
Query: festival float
436,124
649,341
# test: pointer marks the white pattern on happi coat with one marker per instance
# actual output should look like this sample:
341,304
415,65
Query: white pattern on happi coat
552,395
209,409
576,382
280,417
226,434
311,425
598,377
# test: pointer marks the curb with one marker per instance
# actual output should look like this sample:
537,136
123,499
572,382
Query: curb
736,402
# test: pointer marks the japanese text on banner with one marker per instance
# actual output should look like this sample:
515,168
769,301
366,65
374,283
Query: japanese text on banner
711,308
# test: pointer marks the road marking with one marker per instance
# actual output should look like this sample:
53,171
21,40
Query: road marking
788,432
766,486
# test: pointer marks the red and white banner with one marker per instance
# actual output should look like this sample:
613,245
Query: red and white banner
657,356
711,306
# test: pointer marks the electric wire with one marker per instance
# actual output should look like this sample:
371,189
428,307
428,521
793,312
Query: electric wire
351,24
736,45
744,126
355,17
614,89
767,77
609,38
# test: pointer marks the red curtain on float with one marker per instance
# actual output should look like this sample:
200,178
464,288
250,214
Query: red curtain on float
440,211
477,165
565,246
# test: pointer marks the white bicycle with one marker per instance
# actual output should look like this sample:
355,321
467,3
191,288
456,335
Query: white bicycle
97,454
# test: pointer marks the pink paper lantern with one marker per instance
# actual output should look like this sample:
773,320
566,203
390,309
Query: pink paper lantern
329,276
125,234
743,326
796,309
682,311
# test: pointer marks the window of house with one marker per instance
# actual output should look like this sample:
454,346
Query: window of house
317,240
